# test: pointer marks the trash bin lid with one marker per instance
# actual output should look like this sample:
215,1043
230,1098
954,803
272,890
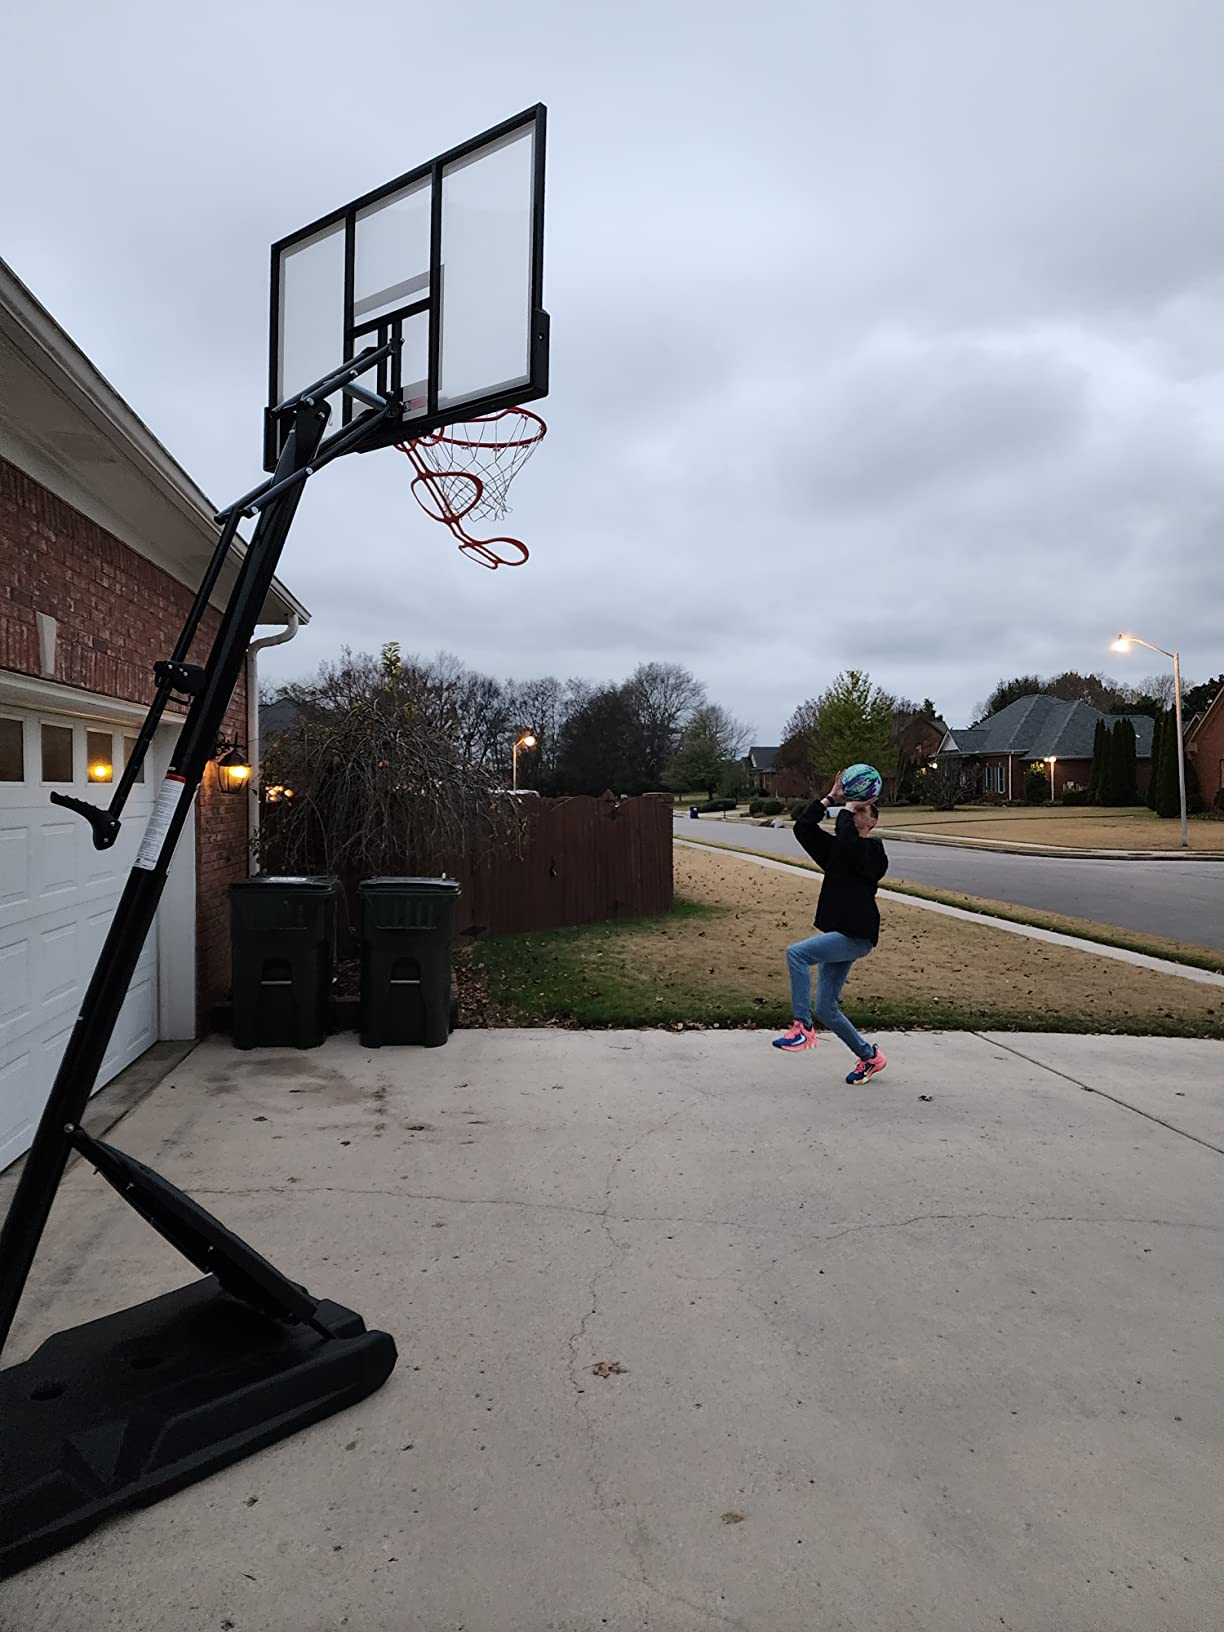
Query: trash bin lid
409,886
318,884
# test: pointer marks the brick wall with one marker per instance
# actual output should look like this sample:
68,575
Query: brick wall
117,614
1207,751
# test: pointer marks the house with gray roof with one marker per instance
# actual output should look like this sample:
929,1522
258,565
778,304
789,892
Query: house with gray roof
1040,730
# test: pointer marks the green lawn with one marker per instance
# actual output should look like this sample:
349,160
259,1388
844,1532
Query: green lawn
717,961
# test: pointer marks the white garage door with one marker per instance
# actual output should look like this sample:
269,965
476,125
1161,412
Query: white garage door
57,894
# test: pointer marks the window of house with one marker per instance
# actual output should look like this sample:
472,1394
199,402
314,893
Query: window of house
100,756
12,751
996,779
57,753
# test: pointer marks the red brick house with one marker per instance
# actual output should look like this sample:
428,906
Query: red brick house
103,540
1205,746
1039,730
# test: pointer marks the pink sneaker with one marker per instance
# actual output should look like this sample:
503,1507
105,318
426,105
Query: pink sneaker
798,1037
866,1069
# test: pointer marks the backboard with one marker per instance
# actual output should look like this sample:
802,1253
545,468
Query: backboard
448,257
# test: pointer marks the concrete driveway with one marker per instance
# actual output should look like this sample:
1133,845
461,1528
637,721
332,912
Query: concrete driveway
942,1353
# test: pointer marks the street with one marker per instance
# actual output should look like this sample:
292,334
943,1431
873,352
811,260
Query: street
1180,899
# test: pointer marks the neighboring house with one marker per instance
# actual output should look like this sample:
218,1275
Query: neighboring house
1205,746
103,542
277,716
1040,731
919,738
767,778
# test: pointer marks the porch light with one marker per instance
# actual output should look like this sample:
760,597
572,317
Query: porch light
101,770
233,768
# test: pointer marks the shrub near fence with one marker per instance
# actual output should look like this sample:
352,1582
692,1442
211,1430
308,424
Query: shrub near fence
578,861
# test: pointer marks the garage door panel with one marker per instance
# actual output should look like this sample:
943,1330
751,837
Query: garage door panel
57,900
57,955
14,871
16,1131
16,987
134,1030
57,864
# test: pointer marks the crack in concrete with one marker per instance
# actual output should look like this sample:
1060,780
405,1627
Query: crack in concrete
576,1338
607,1218
1101,1093
675,1598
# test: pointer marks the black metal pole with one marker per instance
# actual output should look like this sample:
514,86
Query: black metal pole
74,1081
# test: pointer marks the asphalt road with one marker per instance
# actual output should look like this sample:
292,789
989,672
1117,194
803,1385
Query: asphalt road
1180,899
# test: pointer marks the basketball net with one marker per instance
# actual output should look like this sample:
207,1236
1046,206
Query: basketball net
464,471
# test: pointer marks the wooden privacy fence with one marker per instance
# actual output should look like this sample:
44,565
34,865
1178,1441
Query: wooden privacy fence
577,861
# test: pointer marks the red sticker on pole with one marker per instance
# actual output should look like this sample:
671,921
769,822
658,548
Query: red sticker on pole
164,807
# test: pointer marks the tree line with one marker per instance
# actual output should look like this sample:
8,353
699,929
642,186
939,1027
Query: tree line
851,720
656,730
1152,695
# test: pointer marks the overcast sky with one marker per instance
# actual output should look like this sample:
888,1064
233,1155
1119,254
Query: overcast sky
886,333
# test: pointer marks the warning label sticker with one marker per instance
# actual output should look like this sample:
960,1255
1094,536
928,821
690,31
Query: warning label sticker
168,796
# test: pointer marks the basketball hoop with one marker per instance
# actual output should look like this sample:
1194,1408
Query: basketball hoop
465,470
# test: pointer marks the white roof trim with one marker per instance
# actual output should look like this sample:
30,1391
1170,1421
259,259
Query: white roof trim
94,411
30,692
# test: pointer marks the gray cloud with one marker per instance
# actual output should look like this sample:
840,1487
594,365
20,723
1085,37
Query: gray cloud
882,334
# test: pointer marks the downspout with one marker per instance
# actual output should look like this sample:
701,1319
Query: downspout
252,693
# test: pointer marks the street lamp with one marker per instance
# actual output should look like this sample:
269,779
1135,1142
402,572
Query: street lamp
1052,761
525,741
1124,644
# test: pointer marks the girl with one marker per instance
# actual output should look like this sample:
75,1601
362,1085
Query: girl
853,864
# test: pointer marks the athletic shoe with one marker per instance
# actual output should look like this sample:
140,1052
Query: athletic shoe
866,1069
798,1037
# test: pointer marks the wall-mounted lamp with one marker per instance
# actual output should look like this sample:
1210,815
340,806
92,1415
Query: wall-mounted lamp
233,767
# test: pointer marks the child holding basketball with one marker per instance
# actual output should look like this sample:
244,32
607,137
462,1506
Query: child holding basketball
846,914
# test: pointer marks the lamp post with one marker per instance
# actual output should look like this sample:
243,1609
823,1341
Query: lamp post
1124,644
1052,761
525,741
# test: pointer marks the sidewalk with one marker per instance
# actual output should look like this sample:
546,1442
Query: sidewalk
693,1335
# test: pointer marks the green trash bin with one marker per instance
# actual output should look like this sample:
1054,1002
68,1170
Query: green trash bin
407,927
283,948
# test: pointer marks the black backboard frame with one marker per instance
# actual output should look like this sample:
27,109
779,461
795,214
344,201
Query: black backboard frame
387,326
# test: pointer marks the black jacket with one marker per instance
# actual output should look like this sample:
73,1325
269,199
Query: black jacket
853,867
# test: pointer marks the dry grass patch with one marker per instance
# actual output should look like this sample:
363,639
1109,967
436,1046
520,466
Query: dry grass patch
719,960
1073,829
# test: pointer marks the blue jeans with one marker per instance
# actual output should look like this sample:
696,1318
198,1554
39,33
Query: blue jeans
833,953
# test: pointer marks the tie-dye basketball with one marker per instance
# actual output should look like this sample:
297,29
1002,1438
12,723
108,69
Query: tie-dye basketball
861,782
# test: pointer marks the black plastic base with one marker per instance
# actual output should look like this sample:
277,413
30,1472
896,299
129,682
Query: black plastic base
125,1410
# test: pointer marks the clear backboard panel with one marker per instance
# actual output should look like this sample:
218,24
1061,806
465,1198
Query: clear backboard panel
448,260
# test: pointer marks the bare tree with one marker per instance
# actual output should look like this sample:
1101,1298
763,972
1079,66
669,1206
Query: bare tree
664,697
1159,687
476,707
381,775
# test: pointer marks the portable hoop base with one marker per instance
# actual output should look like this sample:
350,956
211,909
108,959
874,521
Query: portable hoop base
122,1411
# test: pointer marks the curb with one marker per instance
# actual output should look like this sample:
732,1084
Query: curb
1015,847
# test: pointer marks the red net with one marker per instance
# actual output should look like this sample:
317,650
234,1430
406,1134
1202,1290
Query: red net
464,471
